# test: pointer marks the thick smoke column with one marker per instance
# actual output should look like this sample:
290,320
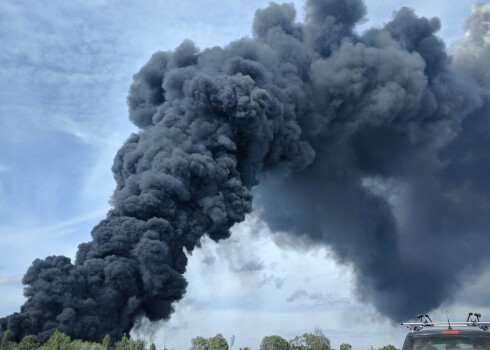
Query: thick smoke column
375,145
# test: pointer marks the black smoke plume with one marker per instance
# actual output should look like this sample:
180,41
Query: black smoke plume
374,144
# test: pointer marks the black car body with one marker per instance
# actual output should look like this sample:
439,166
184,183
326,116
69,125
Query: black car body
447,339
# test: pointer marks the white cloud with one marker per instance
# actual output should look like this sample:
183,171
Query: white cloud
25,235
251,305
10,280
299,293
4,168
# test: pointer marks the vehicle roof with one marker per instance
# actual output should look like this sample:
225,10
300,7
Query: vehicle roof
438,330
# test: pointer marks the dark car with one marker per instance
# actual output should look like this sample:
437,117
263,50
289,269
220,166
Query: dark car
447,339
427,335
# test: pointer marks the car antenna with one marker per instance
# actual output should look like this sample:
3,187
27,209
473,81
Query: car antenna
448,322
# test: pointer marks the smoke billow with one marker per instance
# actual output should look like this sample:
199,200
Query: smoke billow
373,144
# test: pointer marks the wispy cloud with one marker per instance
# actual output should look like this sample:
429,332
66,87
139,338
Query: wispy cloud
317,298
10,280
208,260
297,294
72,127
4,168
278,282
57,230
249,266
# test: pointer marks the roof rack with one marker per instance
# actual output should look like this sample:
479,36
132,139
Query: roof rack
425,321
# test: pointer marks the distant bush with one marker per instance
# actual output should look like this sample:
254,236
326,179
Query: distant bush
218,342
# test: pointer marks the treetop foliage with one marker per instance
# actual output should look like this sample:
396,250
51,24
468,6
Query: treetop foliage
218,342
388,347
60,341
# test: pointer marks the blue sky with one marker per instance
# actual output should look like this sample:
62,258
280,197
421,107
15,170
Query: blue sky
65,69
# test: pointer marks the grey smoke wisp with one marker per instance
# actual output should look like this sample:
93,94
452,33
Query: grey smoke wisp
323,126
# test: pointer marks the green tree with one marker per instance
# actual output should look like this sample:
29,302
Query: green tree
388,347
153,347
199,343
29,342
123,343
218,342
311,341
76,344
5,343
345,346
79,344
58,341
107,342
274,342
137,344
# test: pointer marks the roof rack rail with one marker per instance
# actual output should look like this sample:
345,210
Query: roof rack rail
425,321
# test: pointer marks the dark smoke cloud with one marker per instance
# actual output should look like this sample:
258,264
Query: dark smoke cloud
323,118
399,113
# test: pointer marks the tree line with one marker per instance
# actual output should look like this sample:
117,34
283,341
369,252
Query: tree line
308,341
60,341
